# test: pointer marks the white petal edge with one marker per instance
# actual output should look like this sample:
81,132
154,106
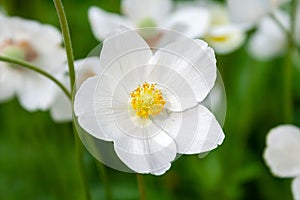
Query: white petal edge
152,155
198,130
138,10
296,188
123,51
84,108
282,151
103,23
36,92
248,12
193,60
191,21
61,109
9,82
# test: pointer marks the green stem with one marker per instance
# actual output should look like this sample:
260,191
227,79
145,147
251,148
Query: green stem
67,39
287,85
288,96
102,171
79,152
38,70
69,51
140,180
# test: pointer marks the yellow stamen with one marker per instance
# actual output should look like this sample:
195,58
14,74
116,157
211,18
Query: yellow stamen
147,101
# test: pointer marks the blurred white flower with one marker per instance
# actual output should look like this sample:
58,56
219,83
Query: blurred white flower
189,20
35,43
148,104
61,108
257,14
282,154
249,12
269,32
223,35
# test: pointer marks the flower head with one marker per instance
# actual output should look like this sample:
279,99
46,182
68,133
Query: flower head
149,104
282,154
223,36
35,43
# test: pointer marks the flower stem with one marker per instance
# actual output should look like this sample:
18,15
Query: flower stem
288,97
140,180
69,51
287,85
38,70
102,171
79,152
67,39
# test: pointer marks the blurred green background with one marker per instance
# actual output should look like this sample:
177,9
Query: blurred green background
37,156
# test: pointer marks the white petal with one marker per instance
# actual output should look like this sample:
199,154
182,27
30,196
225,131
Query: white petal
146,155
103,22
49,35
139,10
268,33
296,188
225,39
51,59
9,82
194,131
123,52
193,21
176,90
282,151
248,12
86,68
37,92
84,107
193,60
61,109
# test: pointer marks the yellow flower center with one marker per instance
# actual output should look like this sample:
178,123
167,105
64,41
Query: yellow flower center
220,38
147,101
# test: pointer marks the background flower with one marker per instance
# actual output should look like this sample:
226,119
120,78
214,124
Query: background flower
282,154
153,13
223,35
35,43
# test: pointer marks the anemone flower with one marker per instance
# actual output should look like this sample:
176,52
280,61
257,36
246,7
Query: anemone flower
282,154
149,104
35,43
191,21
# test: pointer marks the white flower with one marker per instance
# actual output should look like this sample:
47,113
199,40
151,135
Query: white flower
192,21
256,13
35,43
282,154
269,32
61,108
223,35
149,105
250,12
